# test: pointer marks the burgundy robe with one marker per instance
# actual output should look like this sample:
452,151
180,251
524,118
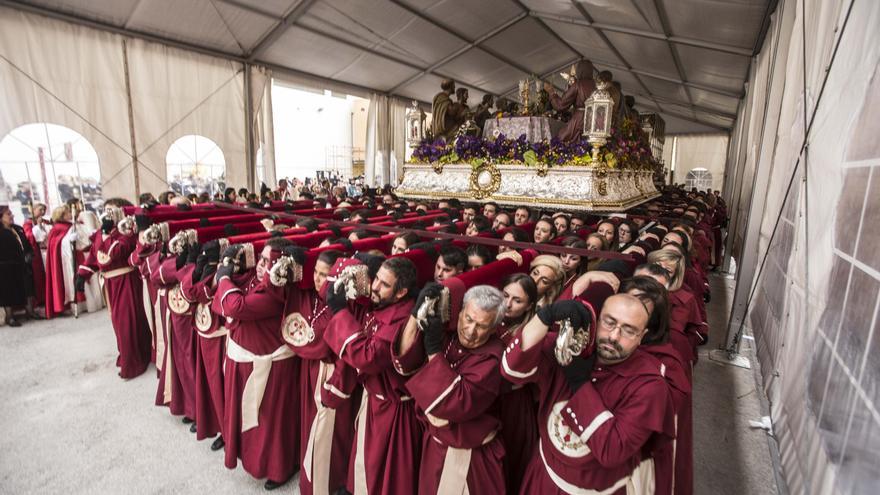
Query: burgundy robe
146,258
54,295
124,292
519,422
326,387
674,461
592,439
210,355
575,95
36,264
253,311
168,390
183,340
685,325
456,393
388,435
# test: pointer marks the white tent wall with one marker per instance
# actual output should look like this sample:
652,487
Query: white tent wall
71,75
805,194
177,93
54,72
386,141
707,151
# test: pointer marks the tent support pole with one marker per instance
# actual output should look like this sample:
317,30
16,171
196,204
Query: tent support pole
134,154
250,165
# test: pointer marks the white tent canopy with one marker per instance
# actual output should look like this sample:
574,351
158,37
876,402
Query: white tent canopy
686,59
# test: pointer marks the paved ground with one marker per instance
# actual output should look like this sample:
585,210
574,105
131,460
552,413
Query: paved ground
70,425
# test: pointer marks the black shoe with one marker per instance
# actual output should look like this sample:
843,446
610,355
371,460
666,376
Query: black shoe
218,443
192,428
186,420
13,323
36,316
271,485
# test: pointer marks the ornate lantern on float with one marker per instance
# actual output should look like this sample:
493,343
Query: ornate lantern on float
415,124
597,117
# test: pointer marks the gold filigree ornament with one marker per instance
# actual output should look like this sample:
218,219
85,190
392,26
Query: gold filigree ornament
438,167
485,180
541,169
602,182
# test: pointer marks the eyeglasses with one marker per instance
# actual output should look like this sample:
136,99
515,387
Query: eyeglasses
611,325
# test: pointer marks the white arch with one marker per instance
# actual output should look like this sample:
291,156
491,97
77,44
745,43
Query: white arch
195,164
47,163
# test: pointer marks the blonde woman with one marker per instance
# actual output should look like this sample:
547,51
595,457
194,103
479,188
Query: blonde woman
548,273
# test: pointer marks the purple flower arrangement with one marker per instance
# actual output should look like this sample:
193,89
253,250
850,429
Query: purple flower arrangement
627,145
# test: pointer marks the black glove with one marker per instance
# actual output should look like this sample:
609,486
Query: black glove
707,297
297,253
232,251
143,222
431,289
194,251
211,251
372,261
574,311
578,371
182,257
336,298
276,233
204,222
224,271
107,225
79,283
433,337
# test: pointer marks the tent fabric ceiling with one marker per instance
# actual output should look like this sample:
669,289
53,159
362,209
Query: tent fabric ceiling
687,59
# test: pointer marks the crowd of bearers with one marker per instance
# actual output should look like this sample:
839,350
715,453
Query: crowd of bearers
372,362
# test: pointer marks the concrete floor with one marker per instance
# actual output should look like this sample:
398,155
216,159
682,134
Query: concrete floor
70,425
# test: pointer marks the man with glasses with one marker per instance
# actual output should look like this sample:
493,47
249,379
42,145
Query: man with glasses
598,412
501,221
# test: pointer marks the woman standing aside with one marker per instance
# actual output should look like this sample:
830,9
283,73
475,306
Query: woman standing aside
15,255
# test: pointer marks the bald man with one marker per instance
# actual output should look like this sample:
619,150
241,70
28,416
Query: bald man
595,420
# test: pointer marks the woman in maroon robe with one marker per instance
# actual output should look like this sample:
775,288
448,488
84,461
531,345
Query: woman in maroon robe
260,424
519,421
326,385
122,285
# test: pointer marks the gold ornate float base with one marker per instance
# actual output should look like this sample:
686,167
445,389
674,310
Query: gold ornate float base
567,188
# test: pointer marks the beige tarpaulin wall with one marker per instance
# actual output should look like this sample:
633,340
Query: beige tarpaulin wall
803,188
61,73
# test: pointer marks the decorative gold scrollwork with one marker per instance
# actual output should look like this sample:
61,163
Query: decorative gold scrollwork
602,182
485,180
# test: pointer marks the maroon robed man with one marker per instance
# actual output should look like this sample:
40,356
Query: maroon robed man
123,289
37,261
387,449
260,424
456,393
595,421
